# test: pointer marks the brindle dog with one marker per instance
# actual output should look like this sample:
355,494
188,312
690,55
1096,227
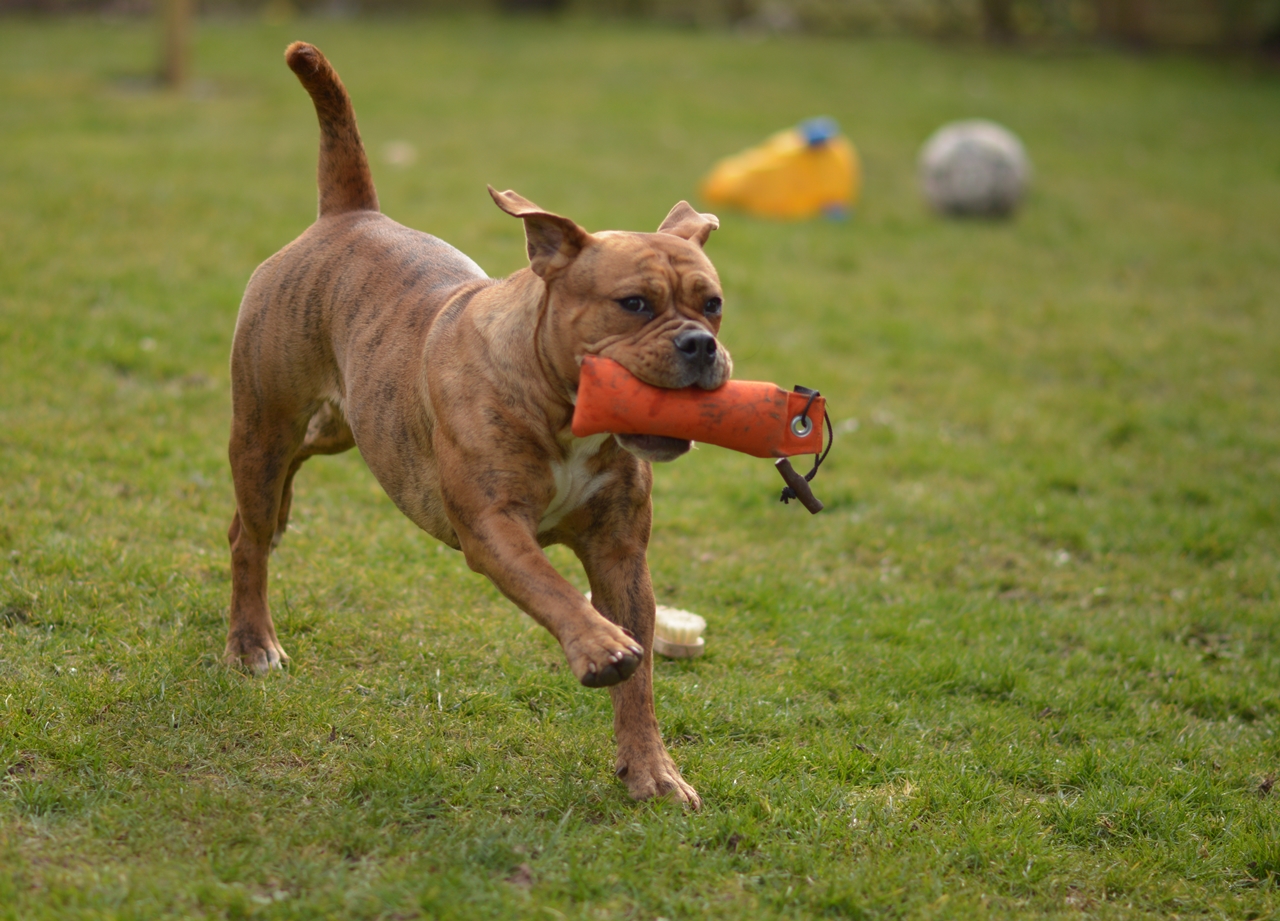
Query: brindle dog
459,391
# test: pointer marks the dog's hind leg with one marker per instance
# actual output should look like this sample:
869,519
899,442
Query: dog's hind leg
263,447
327,433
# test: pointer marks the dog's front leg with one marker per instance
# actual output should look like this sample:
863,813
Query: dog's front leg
623,592
502,544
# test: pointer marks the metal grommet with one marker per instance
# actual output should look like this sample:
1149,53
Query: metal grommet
801,426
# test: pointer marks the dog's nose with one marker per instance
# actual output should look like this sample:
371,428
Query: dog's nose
697,346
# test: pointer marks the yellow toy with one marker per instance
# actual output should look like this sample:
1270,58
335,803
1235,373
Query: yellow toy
798,173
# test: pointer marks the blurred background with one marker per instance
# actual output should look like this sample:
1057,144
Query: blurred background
1043,591
1235,26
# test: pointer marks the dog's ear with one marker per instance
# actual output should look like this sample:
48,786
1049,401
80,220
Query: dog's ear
683,221
553,241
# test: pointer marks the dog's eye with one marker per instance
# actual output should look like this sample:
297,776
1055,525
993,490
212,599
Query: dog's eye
635,304
712,307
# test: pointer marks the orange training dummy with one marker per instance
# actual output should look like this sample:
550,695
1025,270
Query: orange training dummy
754,417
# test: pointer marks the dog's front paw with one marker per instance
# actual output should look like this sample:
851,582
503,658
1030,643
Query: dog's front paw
656,776
604,657
259,655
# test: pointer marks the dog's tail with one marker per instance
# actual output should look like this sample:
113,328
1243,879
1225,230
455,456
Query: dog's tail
343,174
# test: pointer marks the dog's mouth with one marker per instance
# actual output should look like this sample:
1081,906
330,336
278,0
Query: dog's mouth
679,377
656,449
696,361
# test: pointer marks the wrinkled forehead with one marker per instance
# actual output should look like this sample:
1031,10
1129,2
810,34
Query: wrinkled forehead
623,254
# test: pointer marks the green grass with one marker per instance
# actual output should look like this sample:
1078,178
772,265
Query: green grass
1028,661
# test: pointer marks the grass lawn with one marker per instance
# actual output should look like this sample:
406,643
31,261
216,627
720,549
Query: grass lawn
1027,662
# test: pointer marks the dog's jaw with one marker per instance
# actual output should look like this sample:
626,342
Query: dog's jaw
656,449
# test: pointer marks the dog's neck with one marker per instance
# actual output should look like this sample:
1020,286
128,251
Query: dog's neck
512,317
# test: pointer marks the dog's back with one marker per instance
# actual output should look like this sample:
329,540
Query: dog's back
353,282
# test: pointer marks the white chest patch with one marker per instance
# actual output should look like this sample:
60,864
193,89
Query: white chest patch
574,484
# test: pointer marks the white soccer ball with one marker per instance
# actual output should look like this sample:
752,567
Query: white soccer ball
974,167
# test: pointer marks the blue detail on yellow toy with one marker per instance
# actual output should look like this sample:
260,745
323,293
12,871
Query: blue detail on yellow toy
802,172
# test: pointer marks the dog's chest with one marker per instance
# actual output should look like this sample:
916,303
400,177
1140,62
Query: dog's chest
575,483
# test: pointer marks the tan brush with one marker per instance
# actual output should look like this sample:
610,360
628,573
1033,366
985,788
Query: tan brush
677,634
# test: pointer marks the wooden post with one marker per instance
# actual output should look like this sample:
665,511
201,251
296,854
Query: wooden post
997,21
175,55
1234,21
1124,20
